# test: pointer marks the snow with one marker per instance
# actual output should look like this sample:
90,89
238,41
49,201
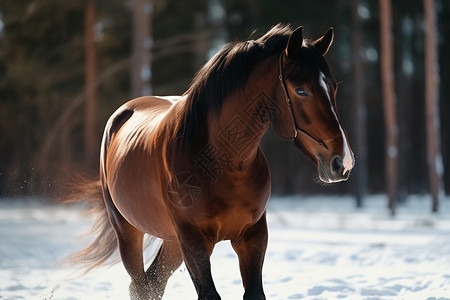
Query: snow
319,248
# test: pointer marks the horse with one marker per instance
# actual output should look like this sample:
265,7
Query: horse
190,171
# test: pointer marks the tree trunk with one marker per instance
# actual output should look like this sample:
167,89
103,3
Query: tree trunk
389,102
360,105
201,43
434,156
141,73
91,113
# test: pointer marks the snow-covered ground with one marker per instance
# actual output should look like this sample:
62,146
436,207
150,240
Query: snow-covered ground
319,248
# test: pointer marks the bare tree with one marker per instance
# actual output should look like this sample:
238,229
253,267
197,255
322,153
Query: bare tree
360,104
434,156
91,143
141,72
389,102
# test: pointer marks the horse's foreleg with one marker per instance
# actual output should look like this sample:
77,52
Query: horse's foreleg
251,248
197,249
168,259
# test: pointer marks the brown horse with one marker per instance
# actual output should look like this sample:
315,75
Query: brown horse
190,171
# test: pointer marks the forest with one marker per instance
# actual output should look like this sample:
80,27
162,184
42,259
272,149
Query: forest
65,66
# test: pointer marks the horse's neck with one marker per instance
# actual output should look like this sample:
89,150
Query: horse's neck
236,132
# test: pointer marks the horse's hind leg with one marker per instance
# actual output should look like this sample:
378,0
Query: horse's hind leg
130,241
168,259
130,245
251,248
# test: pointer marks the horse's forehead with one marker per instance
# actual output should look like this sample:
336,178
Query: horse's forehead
310,68
323,84
319,78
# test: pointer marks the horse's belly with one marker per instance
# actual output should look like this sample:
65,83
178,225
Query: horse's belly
146,215
137,193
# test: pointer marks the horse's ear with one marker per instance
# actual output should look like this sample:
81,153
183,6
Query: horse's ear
323,44
295,43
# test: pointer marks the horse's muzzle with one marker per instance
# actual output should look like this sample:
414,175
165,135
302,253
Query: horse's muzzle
333,170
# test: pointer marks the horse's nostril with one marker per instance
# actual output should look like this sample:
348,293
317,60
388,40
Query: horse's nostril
336,165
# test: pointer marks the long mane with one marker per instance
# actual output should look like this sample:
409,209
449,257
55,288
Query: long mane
227,71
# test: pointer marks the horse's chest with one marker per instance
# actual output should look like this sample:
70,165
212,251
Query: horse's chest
228,212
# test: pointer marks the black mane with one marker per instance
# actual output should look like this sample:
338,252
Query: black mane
227,71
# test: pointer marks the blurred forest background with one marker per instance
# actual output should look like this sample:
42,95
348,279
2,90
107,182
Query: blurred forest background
65,66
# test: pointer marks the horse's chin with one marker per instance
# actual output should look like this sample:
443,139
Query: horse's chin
328,180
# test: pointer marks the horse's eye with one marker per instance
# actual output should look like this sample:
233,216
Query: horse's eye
301,91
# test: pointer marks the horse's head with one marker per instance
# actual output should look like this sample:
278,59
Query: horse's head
309,111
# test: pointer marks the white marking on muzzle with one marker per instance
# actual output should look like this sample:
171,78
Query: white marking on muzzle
348,160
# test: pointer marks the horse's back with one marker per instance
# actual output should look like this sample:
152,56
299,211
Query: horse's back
132,161
154,107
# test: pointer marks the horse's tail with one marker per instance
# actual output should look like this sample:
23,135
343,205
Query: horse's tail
105,243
